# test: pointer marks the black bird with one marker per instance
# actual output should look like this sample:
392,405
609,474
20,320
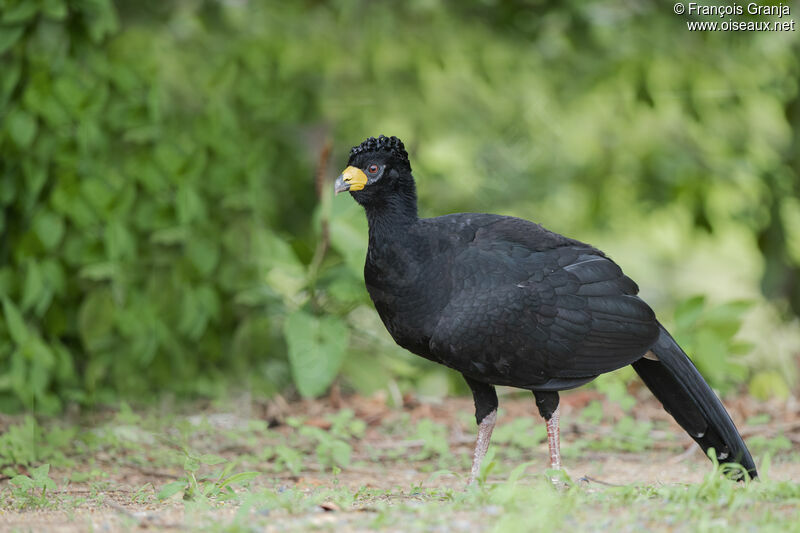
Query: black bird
506,302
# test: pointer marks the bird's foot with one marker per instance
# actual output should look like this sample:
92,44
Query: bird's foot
558,477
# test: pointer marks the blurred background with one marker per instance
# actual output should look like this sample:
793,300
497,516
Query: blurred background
167,221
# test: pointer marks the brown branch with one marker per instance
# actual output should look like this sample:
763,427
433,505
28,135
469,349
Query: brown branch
320,183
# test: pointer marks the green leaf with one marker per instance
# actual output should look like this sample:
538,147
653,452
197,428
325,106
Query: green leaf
49,227
251,338
22,12
23,482
238,478
21,127
170,236
96,319
171,159
203,253
97,192
191,464
348,234
768,384
101,17
688,311
99,271
275,251
9,35
711,356
70,94
40,472
287,280
726,319
119,242
317,348
54,9
9,78
518,471
341,453
7,281
14,322
171,489
189,205
366,374
211,459
33,289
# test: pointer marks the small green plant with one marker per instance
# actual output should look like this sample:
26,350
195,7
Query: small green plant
523,433
30,492
592,413
627,435
331,451
345,425
761,445
143,494
434,440
197,486
288,458
612,385
27,442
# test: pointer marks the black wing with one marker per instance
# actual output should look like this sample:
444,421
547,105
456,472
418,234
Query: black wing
531,308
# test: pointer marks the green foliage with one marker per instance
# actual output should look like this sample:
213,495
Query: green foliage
331,447
26,444
513,495
31,491
523,433
143,249
434,440
158,215
768,384
707,334
345,425
206,487
761,445
331,452
316,350
613,386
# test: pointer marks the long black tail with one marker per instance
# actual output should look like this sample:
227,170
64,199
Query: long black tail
685,395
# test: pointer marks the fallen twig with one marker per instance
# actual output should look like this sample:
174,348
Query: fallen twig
588,479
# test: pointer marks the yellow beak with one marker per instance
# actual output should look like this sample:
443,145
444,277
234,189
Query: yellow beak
351,179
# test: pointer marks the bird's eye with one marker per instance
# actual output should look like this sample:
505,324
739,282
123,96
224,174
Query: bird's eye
373,169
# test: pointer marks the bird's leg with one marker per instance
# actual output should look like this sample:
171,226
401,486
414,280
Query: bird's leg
482,444
486,415
547,402
553,440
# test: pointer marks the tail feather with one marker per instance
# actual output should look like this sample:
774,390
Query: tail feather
683,392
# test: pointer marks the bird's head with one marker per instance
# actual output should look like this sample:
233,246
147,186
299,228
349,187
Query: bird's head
376,168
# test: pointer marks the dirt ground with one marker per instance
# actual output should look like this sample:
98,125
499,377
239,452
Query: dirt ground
121,504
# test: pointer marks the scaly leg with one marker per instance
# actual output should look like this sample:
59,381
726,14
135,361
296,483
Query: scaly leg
482,444
547,402
485,415
553,439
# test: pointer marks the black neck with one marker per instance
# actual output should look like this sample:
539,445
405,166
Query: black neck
394,212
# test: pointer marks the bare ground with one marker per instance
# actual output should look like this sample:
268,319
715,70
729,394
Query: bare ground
382,467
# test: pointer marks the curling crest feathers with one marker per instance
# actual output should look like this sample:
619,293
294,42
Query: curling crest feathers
390,144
